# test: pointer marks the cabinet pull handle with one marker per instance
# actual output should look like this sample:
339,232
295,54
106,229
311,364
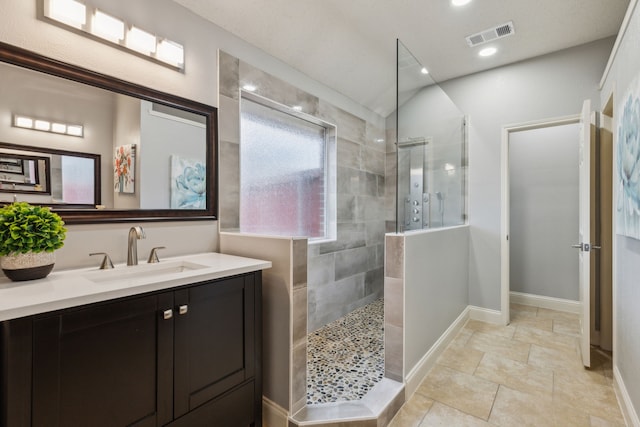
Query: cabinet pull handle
167,314
183,309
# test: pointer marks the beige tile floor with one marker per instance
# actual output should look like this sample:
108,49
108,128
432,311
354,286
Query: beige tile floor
526,374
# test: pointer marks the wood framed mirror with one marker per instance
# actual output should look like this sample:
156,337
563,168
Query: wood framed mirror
156,153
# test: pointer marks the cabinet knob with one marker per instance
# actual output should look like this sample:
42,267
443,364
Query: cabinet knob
167,314
183,309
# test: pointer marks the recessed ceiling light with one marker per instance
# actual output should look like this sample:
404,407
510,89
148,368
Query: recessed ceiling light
488,51
249,87
460,2
424,71
297,107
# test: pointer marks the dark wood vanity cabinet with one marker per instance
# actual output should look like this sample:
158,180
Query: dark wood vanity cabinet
185,357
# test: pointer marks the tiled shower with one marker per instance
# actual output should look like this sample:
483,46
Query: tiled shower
345,313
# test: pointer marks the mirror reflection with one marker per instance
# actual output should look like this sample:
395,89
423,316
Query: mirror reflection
24,174
49,177
152,155
140,153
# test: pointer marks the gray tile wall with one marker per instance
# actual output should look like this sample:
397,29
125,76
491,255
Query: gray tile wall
394,308
347,273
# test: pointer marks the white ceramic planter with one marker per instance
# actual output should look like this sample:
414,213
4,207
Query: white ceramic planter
27,266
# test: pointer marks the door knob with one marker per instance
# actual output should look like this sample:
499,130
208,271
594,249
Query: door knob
584,247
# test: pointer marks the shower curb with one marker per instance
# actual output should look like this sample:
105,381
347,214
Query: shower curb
375,409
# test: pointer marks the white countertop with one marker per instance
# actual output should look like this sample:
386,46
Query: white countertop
71,288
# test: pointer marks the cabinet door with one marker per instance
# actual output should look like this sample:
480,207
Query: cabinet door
105,365
214,340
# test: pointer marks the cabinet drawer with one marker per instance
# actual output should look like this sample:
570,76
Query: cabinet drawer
233,409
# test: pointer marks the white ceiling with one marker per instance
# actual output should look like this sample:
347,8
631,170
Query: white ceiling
350,45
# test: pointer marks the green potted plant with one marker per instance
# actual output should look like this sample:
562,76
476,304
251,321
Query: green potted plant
29,235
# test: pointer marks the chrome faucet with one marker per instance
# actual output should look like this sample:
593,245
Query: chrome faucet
135,233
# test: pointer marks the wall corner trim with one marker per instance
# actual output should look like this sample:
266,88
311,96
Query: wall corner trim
624,400
616,45
428,361
485,315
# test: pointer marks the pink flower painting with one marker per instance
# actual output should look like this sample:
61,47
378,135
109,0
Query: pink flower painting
123,169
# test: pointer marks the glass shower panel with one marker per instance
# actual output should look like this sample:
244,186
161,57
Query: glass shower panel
431,151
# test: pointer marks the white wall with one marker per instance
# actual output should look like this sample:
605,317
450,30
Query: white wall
431,114
435,287
550,86
160,138
625,68
543,181
20,26
126,127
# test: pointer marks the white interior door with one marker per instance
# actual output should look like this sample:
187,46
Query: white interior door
584,219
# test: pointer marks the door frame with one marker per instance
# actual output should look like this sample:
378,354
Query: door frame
609,108
505,210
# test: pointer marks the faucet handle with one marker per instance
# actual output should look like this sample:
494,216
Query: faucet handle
106,261
153,255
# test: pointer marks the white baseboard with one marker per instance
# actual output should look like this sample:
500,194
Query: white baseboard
273,415
418,372
485,315
551,303
628,411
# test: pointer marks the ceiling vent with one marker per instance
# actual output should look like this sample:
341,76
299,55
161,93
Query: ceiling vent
491,34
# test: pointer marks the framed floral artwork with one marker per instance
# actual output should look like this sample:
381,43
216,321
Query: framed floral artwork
124,169
628,163
188,183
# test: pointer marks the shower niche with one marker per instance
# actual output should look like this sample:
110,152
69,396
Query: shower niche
431,151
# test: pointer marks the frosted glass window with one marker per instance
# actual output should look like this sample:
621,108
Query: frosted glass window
77,180
282,173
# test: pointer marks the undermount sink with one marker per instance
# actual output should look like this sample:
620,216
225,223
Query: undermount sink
144,271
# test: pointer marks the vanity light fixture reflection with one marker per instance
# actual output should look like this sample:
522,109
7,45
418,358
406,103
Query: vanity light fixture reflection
25,122
108,28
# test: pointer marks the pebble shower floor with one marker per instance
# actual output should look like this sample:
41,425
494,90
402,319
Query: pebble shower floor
345,358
